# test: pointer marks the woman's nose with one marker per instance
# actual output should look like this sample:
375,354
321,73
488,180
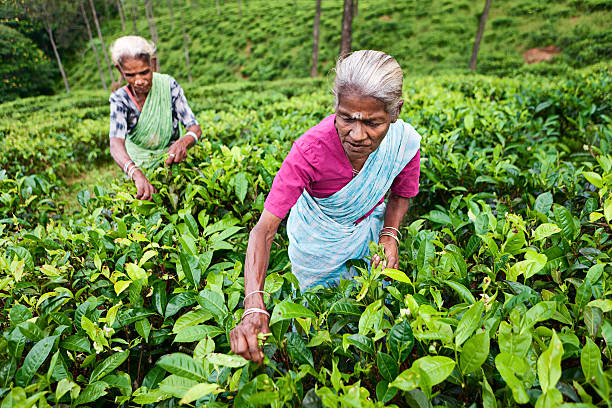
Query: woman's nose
358,134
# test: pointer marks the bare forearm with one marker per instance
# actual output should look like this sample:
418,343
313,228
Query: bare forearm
397,207
187,140
121,156
195,129
258,257
118,152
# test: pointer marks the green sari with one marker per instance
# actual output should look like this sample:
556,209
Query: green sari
149,139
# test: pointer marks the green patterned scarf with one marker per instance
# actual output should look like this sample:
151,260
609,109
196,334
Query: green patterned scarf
149,139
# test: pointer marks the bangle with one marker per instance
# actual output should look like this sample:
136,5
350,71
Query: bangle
126,165
132,171
191,133
389,234
128,168
254,310
256,291
394,229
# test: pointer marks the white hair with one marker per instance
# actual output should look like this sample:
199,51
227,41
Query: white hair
132,46
370,73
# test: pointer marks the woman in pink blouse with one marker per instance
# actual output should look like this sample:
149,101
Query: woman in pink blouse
335,180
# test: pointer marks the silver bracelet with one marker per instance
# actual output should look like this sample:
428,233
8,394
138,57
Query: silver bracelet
394,229
191,133
256,291
252,310
132,171
126,165
389,234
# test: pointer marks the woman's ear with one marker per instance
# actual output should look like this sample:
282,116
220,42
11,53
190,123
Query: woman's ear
154,63
396,114
120,71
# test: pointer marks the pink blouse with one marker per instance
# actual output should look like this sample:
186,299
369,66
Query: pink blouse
317,163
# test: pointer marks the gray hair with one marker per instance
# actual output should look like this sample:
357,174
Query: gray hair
132,46
370,73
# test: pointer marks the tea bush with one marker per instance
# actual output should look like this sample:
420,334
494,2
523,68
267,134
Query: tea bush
502,296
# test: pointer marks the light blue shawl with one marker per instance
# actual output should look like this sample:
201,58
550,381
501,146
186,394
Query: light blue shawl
322,232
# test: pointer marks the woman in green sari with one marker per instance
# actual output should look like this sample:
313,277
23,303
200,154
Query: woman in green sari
144,114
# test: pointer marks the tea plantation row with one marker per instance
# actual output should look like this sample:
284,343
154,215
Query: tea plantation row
502,297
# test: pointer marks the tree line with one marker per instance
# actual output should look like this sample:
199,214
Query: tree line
62,19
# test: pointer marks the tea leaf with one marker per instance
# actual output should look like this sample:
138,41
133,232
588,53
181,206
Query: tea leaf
182,365
468,323
33,360
474,353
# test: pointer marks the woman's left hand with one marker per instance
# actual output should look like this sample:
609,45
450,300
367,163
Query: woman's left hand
178,150
391,252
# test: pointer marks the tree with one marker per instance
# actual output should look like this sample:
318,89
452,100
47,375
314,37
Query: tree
481,27
218,8
347,25
121,15
106,10
93,46
185,45
355,8
24,69
133,13
171,12
152,26
108,64
57,27
315,40
47,23
239,8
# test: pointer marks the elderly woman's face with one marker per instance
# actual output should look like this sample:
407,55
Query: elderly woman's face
362,123
137,73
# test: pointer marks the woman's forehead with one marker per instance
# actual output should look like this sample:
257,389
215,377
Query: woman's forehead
134,64
357,106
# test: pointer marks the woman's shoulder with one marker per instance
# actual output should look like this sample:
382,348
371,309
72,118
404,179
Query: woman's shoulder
119,96
406,131
171,80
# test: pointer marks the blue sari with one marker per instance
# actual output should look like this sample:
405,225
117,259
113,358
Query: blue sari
323,233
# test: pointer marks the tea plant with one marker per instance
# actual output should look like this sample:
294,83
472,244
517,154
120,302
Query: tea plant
502,297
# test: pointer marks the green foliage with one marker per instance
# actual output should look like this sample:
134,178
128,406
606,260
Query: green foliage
272,40
24,70
502,296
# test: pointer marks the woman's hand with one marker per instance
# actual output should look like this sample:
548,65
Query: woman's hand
144,189
243,338
391,252
178,150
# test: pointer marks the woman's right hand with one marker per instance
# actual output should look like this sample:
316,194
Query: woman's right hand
243,338
144,189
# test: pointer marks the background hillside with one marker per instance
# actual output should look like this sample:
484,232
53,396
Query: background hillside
273,39
267,40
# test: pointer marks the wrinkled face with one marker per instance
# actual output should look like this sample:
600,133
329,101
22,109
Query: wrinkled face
362,123
138,74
